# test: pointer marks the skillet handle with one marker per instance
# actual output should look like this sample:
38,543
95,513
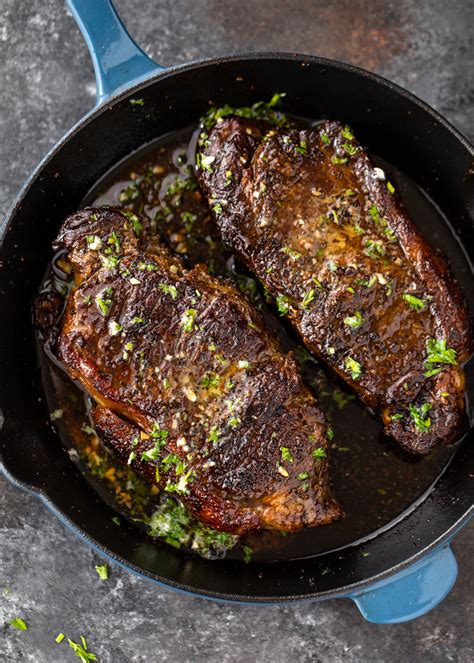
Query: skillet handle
117,59
411,593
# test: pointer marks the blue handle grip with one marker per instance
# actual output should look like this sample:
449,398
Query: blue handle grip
118,61
411,592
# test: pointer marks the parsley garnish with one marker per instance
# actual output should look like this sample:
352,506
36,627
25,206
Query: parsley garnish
214,435
136,102
350,149
308,298
282,302
103,571
19,624
374,249
347,133
339,160
187,321
286,454
418,414
168,290
205,162
103,301
438,353
247,550
390,187
320,452
302,476
355,321
94,242
160,437
260,111
354,368
59,638
295,255
325,138
81,650
414,302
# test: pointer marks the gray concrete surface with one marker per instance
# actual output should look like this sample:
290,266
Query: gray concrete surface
47,575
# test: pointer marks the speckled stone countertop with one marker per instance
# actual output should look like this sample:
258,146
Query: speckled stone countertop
48,575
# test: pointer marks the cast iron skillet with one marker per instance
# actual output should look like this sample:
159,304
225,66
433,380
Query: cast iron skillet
404,570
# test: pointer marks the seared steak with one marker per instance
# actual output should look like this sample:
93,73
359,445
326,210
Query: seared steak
308,213
192,391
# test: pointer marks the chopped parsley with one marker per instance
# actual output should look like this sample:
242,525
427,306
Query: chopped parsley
228,177
19,624
259,111
168,290
390,187
374,249
350,149
294,255
102,571
59,638
339,160
187,321
286,455
419,416
325,138
137,320
355,321
248,551
136,102
81,650
308,298
283,304
354,368
211,381
320,452
160,437
414,302
214,435
438,353
302,476
234,422
347,133
94,242
114,328
396,416
134,220
302,148
114,240
103,301
205,162
173,523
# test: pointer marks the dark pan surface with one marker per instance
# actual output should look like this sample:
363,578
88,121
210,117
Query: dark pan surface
417,146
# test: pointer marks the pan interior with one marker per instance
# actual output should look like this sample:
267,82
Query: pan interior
377,482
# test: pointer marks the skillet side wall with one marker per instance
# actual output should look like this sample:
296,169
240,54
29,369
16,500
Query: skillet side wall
390,124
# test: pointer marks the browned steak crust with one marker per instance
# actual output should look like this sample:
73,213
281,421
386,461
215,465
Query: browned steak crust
307,212
191,390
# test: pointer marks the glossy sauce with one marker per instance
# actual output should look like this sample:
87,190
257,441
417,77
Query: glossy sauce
375,480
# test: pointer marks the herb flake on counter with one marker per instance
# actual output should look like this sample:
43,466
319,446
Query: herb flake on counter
81,650
136,102
102,571
59,638
19,624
